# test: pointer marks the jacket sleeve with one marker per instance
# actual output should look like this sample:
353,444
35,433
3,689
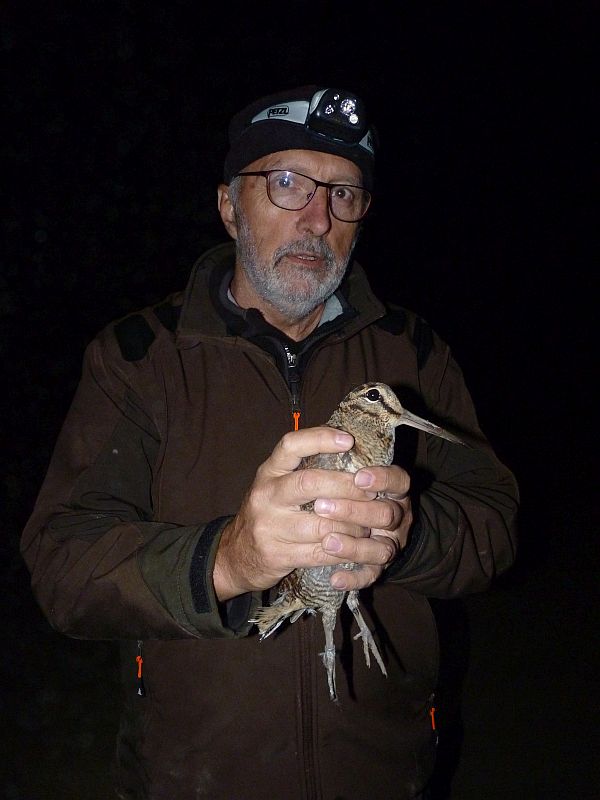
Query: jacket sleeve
101,566
465,500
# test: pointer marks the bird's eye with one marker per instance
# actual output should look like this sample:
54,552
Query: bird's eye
373,395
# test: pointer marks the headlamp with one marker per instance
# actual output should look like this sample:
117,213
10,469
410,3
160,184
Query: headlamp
339,115
306,118
332,113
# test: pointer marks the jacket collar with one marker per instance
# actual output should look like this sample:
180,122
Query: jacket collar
207,312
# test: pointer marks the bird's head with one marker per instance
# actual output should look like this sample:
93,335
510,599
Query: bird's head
376,404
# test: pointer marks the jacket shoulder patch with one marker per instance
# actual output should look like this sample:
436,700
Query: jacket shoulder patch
168,316
394,321
423,338
134,336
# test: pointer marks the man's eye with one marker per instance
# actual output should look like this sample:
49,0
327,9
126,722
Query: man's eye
344,193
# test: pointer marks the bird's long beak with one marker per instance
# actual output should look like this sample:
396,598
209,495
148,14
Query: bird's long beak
428,427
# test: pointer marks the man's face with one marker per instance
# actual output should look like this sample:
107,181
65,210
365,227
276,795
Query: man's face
294,259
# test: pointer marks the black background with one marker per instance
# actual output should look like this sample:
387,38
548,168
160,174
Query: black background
112,145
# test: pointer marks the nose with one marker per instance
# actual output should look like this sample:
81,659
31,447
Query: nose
315,218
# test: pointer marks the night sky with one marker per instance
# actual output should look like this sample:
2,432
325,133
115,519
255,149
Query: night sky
112,144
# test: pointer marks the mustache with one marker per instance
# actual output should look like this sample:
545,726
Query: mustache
306,246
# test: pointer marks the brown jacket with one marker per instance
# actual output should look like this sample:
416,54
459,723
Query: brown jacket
176,408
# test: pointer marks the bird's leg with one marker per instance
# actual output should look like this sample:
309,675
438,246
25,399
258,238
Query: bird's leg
364,633
329,616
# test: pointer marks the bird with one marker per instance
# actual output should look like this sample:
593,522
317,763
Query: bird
371,413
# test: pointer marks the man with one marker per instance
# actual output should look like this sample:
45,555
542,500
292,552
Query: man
171,509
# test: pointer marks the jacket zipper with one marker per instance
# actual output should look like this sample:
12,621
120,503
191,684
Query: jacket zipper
306,710
293,381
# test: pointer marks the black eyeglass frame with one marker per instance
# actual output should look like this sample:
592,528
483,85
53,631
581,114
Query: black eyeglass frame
329,186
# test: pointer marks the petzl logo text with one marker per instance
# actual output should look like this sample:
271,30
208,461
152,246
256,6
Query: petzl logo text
279,111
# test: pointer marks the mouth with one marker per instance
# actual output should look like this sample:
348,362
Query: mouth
310,260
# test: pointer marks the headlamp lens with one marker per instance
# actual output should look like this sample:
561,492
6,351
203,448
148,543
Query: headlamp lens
338,115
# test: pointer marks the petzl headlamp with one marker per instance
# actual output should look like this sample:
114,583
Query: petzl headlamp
332,113
309,118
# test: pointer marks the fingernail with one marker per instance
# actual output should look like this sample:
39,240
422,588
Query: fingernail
332,545
338,581
343,439
364,479
324,506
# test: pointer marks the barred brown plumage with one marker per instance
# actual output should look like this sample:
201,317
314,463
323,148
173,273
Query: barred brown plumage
371,413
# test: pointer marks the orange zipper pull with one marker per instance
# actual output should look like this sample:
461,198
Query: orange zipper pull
141,690
296,416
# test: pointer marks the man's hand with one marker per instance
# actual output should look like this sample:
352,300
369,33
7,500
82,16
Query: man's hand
271,536
388,518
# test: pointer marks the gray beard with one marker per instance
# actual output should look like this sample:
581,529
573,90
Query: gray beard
292,295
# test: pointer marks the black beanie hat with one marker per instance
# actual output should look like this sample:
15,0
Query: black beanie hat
307,118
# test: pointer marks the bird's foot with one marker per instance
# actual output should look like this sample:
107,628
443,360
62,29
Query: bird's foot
369,645
328,656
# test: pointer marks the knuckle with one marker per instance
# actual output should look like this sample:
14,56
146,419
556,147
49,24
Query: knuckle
355,548
387,549
258,497
286,443
383,555
260,473
389,553
324,526
320,528
397,480
365,576
305,481
388,515
319,556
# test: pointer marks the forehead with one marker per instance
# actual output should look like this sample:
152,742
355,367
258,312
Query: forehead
323,166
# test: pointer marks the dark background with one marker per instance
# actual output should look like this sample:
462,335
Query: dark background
112,145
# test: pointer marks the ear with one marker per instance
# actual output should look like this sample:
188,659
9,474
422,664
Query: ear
226,210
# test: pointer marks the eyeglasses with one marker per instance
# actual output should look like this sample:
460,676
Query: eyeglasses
294,191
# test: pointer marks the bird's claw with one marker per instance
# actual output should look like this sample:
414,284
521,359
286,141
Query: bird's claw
364,633
369,644
328,656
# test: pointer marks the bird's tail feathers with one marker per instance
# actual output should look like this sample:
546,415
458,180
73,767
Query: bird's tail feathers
269,618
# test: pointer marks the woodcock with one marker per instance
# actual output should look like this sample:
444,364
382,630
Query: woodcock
371,413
